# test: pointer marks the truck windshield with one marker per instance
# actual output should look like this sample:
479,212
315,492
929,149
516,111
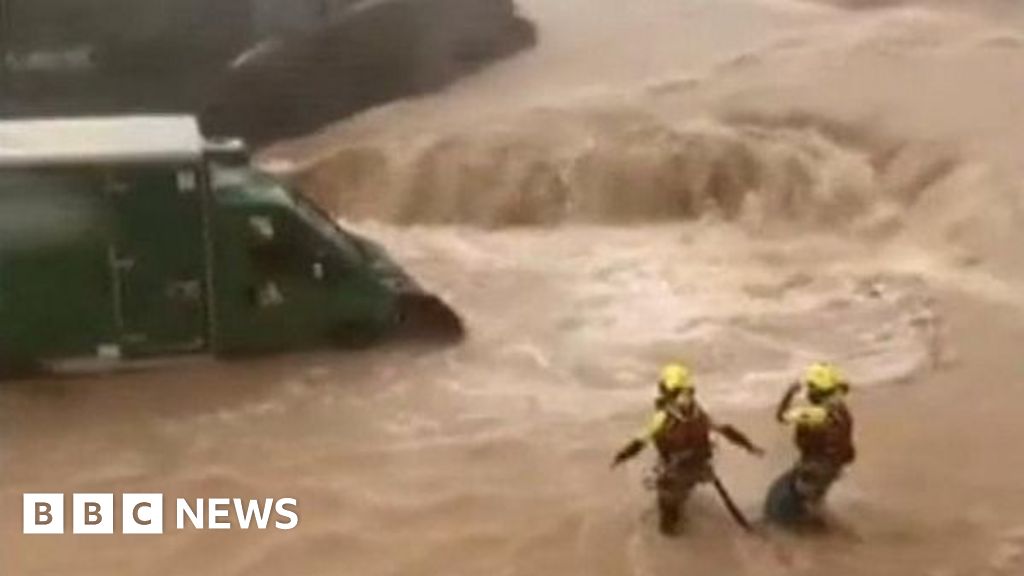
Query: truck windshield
328,229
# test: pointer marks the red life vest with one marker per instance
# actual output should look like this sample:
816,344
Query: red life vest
687,434
832,441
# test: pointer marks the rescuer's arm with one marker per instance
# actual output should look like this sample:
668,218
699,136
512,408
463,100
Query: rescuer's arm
786,402
630,450
738,438
805,416
637,444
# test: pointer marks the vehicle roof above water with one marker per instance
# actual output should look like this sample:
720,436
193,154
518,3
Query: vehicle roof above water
100,140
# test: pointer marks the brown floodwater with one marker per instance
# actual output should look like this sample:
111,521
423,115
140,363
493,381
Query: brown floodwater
747,185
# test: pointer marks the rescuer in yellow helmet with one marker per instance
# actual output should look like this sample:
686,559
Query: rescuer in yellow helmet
823,430
681,431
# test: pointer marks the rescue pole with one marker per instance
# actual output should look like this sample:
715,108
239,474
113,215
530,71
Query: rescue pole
734,510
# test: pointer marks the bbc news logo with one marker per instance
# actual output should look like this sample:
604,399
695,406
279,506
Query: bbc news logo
144,513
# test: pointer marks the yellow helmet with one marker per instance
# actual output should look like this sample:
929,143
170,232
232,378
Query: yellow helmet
676,378
822,377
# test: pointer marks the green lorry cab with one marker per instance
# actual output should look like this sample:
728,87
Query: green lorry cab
134,237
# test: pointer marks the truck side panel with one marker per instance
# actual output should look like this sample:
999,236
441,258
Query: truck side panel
160,258
101,257
55,283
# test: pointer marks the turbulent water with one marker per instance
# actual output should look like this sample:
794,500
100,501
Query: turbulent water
748,185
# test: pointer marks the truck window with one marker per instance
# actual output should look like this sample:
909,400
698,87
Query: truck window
280,246
264,188
329,230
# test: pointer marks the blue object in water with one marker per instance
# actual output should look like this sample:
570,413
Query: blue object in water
784,505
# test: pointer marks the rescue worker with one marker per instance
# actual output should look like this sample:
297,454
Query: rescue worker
823,431
681,431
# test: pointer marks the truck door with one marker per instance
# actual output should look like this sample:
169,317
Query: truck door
158,259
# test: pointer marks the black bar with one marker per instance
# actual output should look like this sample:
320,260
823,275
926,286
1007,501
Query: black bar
734,510
5,29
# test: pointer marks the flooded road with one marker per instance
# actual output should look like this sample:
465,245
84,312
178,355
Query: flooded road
746,185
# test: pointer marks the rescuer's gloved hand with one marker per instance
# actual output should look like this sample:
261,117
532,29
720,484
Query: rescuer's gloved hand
629,451
740,439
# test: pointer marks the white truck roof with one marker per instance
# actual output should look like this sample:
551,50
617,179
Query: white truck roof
103,140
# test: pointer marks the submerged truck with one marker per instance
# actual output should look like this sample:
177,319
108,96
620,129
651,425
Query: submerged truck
134,237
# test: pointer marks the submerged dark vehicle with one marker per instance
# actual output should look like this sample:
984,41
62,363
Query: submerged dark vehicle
260,69
134,237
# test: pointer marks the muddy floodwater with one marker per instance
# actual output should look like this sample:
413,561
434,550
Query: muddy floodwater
747,185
